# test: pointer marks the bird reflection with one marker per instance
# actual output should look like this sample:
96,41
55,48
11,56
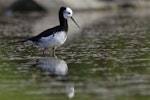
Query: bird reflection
53,66
58,68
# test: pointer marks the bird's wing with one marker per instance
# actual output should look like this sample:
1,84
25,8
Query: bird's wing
44,34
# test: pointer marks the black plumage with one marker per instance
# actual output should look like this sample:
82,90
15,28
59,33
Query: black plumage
62,27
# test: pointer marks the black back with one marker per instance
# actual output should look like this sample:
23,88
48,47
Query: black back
62,27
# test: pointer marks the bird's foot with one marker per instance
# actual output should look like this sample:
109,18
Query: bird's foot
53,53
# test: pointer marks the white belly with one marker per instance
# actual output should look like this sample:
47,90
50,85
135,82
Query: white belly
53,40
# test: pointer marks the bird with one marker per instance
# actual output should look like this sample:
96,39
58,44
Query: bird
56,36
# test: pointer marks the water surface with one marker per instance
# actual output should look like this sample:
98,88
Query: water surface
107,60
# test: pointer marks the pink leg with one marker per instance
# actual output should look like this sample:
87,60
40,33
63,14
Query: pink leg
53,52
44,51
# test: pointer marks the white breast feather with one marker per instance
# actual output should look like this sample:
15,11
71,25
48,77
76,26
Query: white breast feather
54,40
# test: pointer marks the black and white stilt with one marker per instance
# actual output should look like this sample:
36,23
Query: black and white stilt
56,36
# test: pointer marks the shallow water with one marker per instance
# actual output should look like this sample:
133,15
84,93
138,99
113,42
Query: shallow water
107,60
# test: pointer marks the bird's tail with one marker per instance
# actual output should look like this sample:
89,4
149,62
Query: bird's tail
22,41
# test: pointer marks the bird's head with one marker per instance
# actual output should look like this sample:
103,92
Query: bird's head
68,13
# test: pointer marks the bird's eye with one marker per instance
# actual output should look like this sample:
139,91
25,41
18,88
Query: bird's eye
69,13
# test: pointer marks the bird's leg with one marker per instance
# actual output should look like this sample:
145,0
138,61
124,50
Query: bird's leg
44,51
53,52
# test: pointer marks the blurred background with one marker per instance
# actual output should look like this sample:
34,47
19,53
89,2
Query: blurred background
106,59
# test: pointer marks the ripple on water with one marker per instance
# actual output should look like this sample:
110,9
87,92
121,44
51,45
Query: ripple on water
111,60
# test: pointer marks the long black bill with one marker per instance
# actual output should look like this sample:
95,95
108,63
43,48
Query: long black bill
75,22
